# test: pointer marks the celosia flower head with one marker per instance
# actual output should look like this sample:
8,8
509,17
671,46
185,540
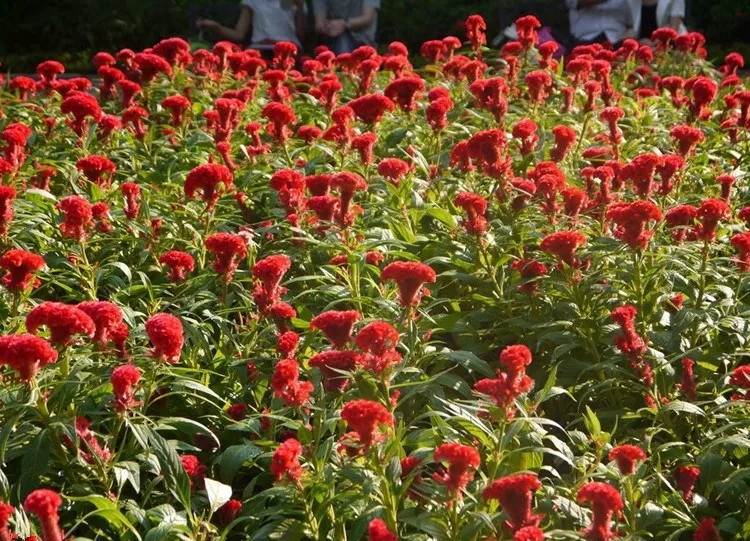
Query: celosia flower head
515,494
44,503
124,378
337,325
366,419
461,460
285,461
378,341
228,250
378,530
409,276
166,335
26,354
63,321
20,266
605,501
179,263
207,178
627,456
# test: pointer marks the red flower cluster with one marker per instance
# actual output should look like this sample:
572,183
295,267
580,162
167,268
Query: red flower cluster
563,245
269,272
631,220
740,377
685,478
208,178
605,501
626,457
132,193
410,277
63,321
475,206
123,379
515,494
44,503
378,341
77,217
97,169
20,266
228,250
194,470
179,263
511,383
286,384
365,418
285,461
336,325
335,366
630,343
378,530
166,335
26,354
107,318
461,459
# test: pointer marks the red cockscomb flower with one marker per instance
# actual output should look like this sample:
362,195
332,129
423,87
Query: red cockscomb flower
686,138
123,379
228,250
228,512
194,470
515,494
394,169
336,325
685,478
565,138
526,131
286,343
461,459
710,213
538,82
605,501
334,365
476,28
207,178
76,217
627,456
26,354
97,169
269,272
370,108
366,419
166,335
286,384
475,206
631,220
436,113
20,266
82,106
347,183
179,263
378,341
176,105
285,461
410,277
403,90
741,241
132,193
707,531
281,116
63,321
44,503
378,530
529,533
6,511
107,318
563,245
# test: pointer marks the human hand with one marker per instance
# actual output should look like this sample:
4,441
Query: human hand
206,24
335,28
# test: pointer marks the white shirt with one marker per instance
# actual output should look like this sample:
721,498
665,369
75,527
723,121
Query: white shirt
665,10
272,22
612,18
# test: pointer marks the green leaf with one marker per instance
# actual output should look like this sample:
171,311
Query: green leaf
174,474
234,457
592,422
130,472
218,494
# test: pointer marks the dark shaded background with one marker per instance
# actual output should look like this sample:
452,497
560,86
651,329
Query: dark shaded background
73,30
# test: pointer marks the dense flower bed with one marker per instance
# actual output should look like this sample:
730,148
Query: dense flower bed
501,298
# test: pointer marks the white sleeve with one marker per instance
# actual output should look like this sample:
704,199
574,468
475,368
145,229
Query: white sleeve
678,9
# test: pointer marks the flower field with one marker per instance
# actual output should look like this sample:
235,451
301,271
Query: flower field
501,296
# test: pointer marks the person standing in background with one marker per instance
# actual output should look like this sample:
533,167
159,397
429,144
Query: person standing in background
270,20
597,21
648,15
346,24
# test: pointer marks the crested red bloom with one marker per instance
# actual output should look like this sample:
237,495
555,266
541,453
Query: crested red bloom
515,494
132,193
207,178
290,186
704,91
433,51
336,325
237,411
97,169
63,321
529,533
370,108
526,30
286,384
123,379
740,377
631,220
281,116
710,213
565,138
437,113
526,131
176,51
410,276
176,104
166,335
529,269
563,245
605,501
487,148
741,241
679,218
364,144
308,133
179,263
286,343
26,354
627,456
687,383
476,28
475,206
334,365
7,195
107,318
403,90
285,461
378,341
377,530
630,343
228,512
194,470
347,183
6,511
726,181
269,272
707,531
24,85
685,478
100,213
228,250
82,106
76,217
44,503
151,65
461,459
394,169
366,418
686,137
538,82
